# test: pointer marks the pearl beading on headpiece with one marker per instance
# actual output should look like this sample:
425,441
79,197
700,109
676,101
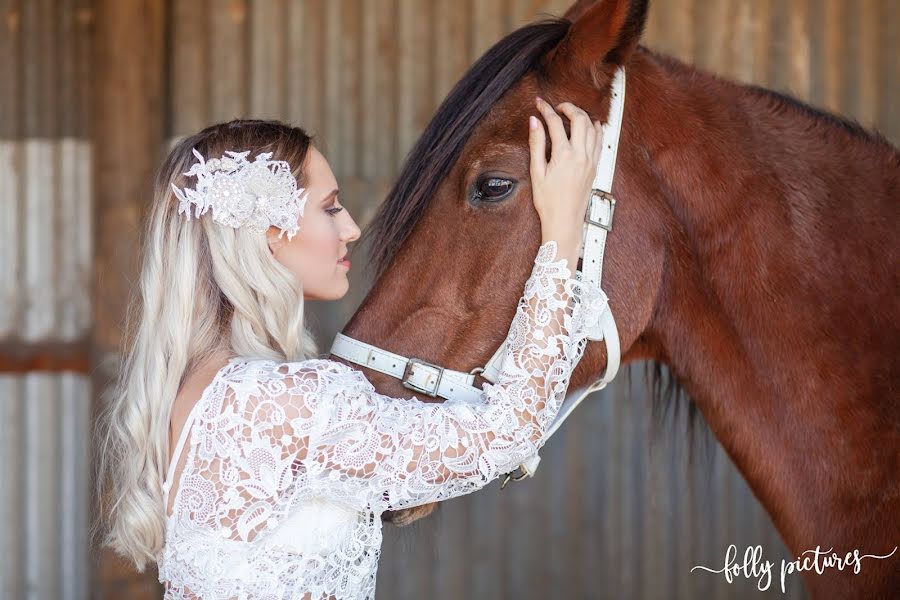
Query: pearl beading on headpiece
241,193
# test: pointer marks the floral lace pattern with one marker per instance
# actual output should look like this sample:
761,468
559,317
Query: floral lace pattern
290,464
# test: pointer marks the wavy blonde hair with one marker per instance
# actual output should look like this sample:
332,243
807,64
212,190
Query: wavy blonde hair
204,288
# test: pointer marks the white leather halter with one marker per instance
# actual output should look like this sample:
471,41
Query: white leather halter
436,381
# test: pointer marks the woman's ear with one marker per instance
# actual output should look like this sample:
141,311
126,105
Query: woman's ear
603,33
272,239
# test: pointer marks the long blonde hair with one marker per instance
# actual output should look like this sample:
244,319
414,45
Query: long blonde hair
204,288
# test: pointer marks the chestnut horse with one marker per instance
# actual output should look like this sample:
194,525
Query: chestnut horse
755,254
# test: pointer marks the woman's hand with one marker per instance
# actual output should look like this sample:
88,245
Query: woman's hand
561,187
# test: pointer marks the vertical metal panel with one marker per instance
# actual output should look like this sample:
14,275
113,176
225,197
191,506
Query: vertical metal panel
310,45
10,231
75,238
888,116
74,475
415,104
44,425
267,75
11,126
451,569
40,68
11,69
387,90
298,80
351,113
45,227
867,31
46,238
227,59
449,60
42,489
12,475
834,48
128,83
40,268
191,65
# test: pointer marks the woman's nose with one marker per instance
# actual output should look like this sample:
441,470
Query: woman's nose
351,230
355,232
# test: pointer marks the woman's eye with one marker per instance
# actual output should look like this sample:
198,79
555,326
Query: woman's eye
334,210
493,188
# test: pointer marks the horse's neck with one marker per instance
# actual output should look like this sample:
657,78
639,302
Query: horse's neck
774,313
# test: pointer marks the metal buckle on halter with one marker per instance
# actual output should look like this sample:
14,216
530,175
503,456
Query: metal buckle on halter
408,371
600,194
510,477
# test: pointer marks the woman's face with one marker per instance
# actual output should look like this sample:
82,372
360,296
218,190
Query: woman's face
315,252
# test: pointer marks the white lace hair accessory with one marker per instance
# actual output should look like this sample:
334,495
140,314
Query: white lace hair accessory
241,193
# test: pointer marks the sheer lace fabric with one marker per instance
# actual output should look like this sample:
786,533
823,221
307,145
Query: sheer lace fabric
290,464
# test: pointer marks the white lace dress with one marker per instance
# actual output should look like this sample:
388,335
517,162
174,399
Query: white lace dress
290,464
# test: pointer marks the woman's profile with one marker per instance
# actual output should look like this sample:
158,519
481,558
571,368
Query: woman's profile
236,458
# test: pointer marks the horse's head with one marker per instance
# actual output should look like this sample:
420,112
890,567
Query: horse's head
455,240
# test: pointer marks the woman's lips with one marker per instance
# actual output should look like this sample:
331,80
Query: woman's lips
344,263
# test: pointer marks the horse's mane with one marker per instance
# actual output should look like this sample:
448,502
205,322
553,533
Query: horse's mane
775,101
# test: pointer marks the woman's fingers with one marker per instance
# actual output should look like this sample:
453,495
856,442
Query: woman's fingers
579,125
560,187
558,138
537,144
580,150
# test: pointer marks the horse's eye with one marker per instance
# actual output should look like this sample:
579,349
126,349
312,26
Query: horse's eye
493,188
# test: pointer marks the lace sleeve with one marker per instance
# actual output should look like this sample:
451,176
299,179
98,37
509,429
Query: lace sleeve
382,453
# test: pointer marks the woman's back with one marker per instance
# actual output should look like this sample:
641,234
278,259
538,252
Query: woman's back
190,392
242,517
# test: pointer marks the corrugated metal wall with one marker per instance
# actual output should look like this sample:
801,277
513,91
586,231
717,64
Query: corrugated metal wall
605,516
44,420
46,247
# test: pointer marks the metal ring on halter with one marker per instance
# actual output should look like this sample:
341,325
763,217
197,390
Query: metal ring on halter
510,477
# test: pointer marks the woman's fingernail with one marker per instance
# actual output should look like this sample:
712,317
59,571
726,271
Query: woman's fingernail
532,122
539,99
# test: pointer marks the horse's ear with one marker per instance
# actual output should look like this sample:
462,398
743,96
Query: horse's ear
602,32
577,9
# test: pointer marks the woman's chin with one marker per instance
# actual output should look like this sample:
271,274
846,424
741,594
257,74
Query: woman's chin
336,289
340,288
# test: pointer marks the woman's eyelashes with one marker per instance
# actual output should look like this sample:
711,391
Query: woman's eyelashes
334,210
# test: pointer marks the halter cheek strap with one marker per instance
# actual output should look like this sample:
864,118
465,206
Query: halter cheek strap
435,381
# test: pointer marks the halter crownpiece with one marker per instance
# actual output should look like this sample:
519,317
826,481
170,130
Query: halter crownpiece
258,194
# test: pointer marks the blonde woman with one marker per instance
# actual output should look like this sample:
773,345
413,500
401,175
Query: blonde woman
236,458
